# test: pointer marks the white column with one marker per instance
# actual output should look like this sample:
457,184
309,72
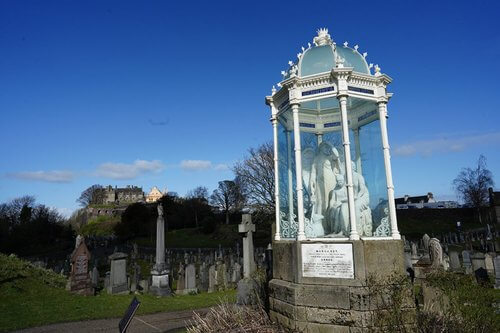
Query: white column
277,235
301,235
348,167
382,113
290,178
358,150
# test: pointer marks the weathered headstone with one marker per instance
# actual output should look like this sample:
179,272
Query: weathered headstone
203,277
496,263
488,263
79,281
425,241
454,261
481,276
181,279
247,228
436,253
118,283
190,286
467,262
95,277
212,277
236,273
477,260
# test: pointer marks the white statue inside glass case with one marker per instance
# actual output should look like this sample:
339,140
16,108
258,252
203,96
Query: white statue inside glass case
325,192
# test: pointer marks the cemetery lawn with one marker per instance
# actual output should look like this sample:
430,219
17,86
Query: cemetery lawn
34,297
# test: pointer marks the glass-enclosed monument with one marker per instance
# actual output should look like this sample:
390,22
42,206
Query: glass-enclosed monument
332,163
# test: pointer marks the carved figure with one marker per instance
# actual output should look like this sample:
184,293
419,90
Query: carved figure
338,210
362,203
160,209
325,167
436,253
384,229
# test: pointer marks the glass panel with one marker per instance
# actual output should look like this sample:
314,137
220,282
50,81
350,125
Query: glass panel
317,60
287,180
325,194
353,59
371,205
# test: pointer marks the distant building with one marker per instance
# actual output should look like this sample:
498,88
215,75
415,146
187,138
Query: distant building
423,201
155,194
119,195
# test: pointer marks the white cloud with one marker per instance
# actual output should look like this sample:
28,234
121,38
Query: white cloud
198,165
128,171
446,144
54,176
195,165
221,167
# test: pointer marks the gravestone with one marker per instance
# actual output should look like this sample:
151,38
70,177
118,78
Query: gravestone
160,274
212,277
467,262
236,274
95,277
477,260
79,281
190,286
481,276
118,283
488,264
203,277
247,228
181,279
425,241
454,261
496,263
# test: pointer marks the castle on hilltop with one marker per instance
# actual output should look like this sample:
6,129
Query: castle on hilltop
119,195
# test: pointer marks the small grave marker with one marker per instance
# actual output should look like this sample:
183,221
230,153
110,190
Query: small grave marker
129,314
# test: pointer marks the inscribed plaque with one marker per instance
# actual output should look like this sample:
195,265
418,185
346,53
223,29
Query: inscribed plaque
327,261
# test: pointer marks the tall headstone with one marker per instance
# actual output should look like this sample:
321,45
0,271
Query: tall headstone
159,274
190,286
488,263
454,261
118,283
203,277
181,279
247,228
212,278
466,261
425,242
79,280
496,263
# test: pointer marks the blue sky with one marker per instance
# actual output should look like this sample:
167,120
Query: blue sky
172,94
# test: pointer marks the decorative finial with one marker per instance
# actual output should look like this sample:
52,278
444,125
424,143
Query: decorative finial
346,43
273,90
303,49
283,73
294,70
377,70
279,85
290,63
356,47
370,66
323,38
365,54
308,45
340,62
298,55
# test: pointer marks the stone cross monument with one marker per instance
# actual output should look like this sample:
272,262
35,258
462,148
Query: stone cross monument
247,227
159,273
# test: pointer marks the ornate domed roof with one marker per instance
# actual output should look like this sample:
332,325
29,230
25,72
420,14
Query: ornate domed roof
325,55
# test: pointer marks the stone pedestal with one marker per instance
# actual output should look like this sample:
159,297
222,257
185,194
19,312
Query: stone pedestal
159,284
305,296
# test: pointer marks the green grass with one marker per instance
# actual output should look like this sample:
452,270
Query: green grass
31,296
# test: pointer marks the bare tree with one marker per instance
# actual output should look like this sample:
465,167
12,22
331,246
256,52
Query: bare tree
90,195
228,197
197,199
200,192
472,184
256,173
